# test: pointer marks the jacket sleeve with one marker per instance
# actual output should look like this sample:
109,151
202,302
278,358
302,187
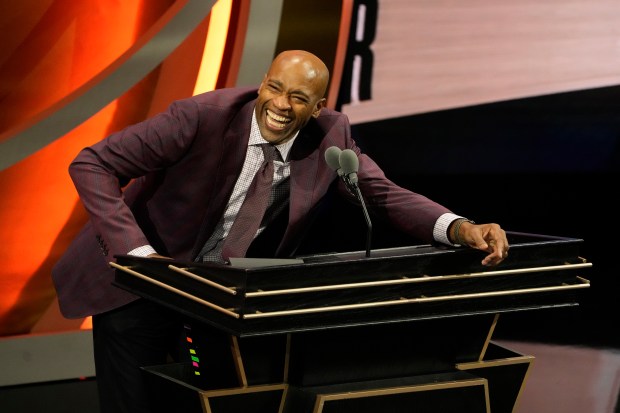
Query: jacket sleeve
405,210
100,172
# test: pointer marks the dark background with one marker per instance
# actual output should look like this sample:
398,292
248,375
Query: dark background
545,165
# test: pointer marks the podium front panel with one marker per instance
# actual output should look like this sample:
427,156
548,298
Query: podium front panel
349,289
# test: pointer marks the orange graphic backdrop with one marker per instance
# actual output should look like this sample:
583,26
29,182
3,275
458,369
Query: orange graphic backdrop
55,48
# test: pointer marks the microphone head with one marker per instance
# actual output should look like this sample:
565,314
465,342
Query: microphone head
332,157
349,161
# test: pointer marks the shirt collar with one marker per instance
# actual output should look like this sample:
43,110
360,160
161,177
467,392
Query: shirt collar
256,138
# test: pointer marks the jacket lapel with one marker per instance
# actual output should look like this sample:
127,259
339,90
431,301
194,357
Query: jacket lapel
233,152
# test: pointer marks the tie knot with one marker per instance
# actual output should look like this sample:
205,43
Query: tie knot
270,152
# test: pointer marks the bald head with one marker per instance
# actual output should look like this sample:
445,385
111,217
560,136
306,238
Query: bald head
305,63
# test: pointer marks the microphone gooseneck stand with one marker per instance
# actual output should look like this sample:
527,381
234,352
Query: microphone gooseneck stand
346,164
358,193
350,165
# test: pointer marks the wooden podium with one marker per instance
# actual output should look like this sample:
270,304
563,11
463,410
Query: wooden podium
405,330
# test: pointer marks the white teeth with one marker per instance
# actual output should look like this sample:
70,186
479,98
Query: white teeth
277,118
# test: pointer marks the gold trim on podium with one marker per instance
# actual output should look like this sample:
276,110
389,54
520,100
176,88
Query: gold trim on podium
420,279
207,395
488,338
584,283
128,270
184,271
485,368
324,399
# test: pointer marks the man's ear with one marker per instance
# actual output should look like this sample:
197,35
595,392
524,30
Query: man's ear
319,105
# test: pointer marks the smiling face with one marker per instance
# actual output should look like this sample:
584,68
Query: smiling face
290,94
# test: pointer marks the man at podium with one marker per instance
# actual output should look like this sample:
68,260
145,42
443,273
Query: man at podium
228,173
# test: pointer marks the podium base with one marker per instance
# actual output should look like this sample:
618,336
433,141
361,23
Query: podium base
492,384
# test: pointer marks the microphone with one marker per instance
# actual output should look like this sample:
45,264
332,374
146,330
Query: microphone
350,165
346,164
332,157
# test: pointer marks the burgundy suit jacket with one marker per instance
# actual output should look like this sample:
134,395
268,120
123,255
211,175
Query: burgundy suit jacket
183,165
